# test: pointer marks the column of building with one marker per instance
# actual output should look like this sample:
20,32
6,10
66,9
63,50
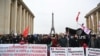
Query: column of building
87,22
29,22
98,22
27,18
2,16
6,18
19,19
23,20
32,24
90,23
95,22
13,16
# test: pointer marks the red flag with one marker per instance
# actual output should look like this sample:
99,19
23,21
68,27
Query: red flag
77,16
25,32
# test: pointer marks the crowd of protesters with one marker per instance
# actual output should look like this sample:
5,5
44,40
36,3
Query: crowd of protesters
54,40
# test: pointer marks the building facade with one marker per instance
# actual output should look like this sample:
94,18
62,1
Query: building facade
93,19
15,16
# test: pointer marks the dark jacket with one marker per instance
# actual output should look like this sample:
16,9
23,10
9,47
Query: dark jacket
62,42
92,42
97,44
74,42
46,41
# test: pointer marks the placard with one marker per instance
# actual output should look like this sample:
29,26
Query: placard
23,50
92,52
58,51
75,51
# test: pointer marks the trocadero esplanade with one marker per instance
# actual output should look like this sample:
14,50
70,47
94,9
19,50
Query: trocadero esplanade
15,16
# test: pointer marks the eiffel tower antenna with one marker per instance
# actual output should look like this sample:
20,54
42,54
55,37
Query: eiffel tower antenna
52,28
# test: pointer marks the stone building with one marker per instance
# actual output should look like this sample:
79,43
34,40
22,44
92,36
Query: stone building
93,19
15,16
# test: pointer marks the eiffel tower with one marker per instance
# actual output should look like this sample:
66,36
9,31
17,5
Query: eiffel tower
52,28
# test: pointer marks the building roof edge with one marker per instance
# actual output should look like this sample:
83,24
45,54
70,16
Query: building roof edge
26,7
92,11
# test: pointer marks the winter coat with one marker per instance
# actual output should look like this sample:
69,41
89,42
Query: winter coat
62,42
74,42
97,44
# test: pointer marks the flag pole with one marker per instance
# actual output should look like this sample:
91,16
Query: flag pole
77,17
77,25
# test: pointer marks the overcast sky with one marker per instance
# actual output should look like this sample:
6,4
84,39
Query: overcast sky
65,12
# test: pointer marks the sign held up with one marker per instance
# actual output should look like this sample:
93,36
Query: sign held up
23,50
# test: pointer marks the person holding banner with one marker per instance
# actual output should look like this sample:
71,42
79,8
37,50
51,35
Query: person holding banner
1,40
62,41
97,44
54,41
16,39
22,41
74,42
67,36
92,41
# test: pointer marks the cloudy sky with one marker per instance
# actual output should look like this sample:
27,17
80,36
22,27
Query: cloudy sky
65,12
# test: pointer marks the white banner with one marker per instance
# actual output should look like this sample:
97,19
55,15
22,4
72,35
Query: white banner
75,51
92,52
23,50
63,51
58,51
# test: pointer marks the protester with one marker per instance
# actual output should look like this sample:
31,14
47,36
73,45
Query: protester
74,42
37,38
30,39
22,41
97,44
67,36
54,41
46,40
15,39
62,41
92,41
1,41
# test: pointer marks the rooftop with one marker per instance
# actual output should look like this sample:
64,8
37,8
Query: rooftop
24,5
94,10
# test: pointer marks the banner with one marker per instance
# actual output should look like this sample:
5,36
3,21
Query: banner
58,51
23,50
64,51
75,51
92,52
